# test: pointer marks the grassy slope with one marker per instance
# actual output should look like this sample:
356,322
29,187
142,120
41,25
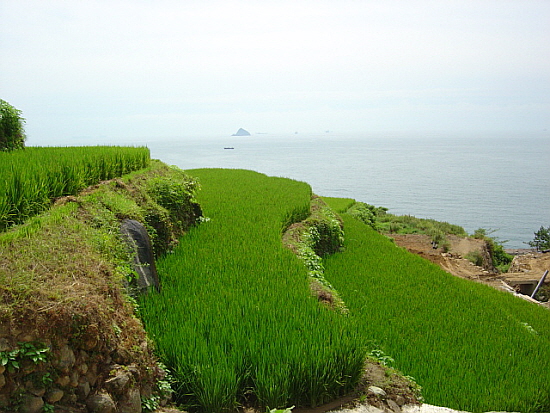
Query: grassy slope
470,347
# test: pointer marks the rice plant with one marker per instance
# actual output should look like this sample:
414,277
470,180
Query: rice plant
468,345
235,320
33,177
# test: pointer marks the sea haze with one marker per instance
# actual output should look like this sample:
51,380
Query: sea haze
496,182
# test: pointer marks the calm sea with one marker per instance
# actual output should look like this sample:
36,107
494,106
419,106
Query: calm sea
496,182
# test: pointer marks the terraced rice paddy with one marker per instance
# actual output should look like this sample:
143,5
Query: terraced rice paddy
468,345
237,324
33,177
236,321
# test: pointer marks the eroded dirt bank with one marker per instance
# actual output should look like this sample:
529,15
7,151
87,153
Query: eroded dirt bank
527,266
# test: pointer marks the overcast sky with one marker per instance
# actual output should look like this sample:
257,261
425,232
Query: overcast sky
177,68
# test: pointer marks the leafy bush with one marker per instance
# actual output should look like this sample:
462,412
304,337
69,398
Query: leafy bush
475,258
176,195
12,132
541,240
365,213
501,259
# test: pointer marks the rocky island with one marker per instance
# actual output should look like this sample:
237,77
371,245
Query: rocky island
241,132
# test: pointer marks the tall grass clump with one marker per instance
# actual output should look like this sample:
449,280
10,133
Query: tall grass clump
235,321
33,177
468,345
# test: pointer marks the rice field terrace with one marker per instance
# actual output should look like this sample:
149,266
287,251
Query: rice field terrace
236,321
237,325
468,345
34,176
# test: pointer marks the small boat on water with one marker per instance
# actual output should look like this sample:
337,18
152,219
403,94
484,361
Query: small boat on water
228,148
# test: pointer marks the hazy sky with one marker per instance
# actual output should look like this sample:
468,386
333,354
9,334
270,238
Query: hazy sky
170,68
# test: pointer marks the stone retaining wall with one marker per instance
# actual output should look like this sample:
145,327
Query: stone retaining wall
88,377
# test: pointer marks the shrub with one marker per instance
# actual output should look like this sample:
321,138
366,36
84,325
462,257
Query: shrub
176,195
475,258
12,133
501,260
541,240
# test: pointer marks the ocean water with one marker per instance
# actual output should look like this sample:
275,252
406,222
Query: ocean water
497,182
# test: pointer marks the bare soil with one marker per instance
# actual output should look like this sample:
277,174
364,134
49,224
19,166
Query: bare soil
528,265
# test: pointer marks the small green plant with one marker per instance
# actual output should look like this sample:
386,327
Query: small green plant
48,408
46,379
381,357
415,387
36,352
9,359
150,404
117,330
163,391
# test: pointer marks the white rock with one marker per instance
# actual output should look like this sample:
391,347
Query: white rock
427,408
377,391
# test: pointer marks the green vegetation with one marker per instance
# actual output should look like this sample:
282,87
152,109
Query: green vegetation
339,205
35,352
33,177
379,219
318,235
501,260
236,322
408,224
12,132
541,241
88,226
468,345
63,275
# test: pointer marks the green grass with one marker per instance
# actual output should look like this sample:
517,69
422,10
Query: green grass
236,322
339,205
33,177
469,346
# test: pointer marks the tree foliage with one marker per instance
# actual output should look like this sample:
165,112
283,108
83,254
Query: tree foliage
12,132
541,240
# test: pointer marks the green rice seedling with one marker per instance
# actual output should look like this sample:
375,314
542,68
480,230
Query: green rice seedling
33,177
339,205
467,344
235,321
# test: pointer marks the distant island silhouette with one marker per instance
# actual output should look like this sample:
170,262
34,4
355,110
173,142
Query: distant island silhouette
241,132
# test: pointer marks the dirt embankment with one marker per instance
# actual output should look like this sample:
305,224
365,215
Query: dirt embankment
527,267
